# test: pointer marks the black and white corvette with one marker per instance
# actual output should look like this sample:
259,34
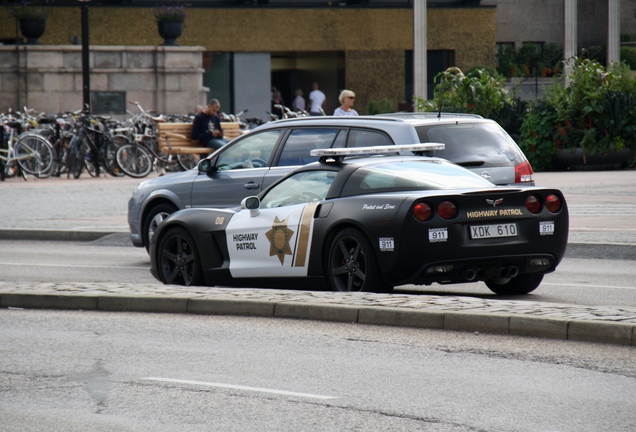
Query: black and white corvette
370,223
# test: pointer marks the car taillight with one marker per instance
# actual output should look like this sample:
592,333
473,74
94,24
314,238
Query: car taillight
553,203
447,210
422,211
533,204
524,173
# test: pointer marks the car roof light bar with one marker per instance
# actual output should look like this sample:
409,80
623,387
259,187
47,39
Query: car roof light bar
359,151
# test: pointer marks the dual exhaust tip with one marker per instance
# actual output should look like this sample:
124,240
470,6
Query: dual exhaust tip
500,272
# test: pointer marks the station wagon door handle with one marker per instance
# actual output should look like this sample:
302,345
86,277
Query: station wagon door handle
250,185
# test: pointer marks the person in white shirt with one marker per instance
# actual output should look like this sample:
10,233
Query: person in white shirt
316,99
347,97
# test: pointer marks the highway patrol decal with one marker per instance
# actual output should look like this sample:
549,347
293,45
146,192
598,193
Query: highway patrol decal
493,213
245,241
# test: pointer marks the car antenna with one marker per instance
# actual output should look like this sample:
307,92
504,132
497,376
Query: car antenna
441,102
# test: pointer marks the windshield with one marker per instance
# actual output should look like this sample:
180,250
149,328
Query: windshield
473,144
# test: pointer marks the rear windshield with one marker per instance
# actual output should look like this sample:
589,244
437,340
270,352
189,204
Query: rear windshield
478,144
411,175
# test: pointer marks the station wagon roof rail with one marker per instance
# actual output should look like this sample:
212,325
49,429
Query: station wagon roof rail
429,114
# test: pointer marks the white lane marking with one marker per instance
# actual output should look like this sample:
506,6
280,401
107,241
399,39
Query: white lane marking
239,387
72,266
582,285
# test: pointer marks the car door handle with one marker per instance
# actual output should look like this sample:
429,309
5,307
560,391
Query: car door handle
250,185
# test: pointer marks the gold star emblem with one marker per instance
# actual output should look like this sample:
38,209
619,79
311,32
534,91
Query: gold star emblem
279,237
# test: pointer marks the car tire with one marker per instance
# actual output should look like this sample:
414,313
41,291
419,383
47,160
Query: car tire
156,215
178,261
351,264
519,285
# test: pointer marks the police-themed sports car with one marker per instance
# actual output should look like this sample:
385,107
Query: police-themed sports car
368,224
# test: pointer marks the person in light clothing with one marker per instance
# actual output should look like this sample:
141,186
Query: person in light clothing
316,99
299,103
347,98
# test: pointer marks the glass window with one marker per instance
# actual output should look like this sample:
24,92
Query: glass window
367,138
411,175
303,187
479,144
252,152
301,141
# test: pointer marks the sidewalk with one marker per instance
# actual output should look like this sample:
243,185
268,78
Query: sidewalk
602,224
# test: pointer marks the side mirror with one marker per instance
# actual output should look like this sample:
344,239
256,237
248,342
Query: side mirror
253,204
206,166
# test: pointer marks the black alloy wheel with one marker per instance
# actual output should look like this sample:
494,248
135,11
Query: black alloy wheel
178,260
351,263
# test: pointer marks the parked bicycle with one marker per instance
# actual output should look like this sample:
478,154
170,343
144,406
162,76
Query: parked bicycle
25,152
140,153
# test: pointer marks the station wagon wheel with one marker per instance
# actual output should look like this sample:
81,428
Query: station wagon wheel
153,219
519,285
178,259
351,263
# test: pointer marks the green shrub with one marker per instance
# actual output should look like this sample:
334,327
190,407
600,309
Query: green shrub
477,93
628,55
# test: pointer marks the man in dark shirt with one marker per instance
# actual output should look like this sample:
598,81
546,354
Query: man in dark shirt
206,126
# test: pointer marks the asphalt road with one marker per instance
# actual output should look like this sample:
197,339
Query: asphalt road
83,370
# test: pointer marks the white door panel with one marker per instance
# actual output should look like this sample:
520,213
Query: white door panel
275,243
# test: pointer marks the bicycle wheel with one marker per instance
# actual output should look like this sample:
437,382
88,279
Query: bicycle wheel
91,160
187,161
34,153
74,159
134,160
110,157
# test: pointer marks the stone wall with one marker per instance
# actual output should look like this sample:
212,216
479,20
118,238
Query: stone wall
48,78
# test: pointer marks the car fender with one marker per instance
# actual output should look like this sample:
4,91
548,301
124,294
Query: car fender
352,211
207,227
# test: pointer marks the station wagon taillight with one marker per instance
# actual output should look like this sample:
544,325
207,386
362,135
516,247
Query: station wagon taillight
524,173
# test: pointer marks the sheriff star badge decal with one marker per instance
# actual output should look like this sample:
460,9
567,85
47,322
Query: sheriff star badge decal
279,237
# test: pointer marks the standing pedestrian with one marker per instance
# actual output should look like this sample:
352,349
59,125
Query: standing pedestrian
299,103
316,99
206,126
347,97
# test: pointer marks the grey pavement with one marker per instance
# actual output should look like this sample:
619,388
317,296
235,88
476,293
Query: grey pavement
602,225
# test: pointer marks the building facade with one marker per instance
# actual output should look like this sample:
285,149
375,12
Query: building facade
247,50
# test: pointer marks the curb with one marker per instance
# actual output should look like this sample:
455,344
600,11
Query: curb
497,323
53,235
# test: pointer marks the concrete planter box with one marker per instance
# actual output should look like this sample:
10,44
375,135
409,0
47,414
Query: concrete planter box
578,160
